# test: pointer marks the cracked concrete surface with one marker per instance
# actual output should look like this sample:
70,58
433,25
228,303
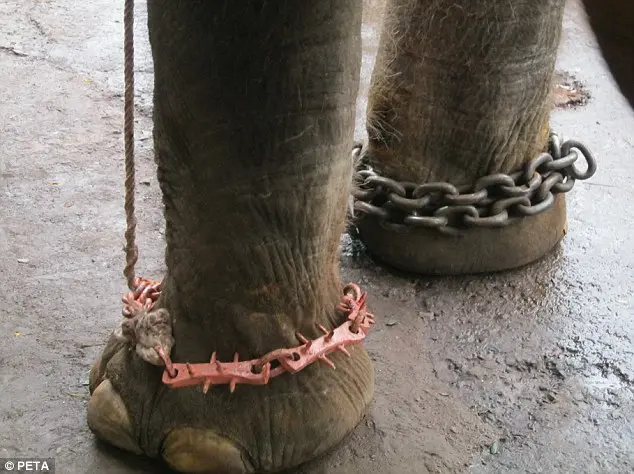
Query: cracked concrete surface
527,371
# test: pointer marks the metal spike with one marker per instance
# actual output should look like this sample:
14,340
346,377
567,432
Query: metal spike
344,350
213,361
329,336
207,385
322,328
327,361
304,340
189,369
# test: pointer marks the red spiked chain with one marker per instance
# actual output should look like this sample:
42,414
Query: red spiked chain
353,330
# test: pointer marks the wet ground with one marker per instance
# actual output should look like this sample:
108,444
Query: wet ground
528,371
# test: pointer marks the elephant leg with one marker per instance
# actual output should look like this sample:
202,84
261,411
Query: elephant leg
254,108
461,90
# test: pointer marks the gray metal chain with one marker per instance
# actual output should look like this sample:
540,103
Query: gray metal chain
497,200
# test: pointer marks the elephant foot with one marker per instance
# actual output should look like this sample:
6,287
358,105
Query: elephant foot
108,418
256,429
478,250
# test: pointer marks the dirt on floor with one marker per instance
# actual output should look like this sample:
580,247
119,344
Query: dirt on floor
568,91
526,371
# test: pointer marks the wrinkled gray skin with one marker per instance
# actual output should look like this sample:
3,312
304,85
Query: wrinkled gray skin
254,114
460,90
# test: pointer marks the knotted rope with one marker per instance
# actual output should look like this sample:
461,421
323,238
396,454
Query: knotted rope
131,250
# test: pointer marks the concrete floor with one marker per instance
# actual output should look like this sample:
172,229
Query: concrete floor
537,362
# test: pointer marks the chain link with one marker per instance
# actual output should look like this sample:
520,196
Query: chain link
494,201
353,330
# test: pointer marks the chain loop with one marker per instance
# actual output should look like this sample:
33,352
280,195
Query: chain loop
587,154
470,199
494,201
499,179
533,165
353,330
538,208
524,190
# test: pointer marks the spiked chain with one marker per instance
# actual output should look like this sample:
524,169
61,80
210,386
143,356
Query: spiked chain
353,330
